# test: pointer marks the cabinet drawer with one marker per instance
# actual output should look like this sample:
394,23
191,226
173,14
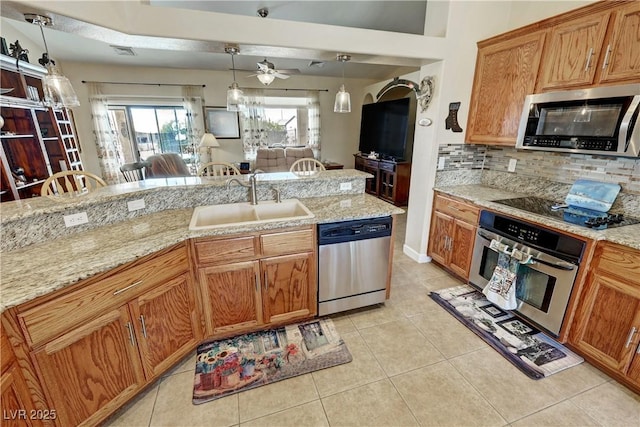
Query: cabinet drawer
217,251
462,211
57,315
373,164
287,242
620,261
391,167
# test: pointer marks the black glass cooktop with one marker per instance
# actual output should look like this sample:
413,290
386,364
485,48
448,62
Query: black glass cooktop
582,217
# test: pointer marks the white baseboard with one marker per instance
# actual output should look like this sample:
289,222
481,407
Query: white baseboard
416,256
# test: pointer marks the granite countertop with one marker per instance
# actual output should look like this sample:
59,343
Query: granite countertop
485,196
64,261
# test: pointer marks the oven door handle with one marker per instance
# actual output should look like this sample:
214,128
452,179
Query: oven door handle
561,265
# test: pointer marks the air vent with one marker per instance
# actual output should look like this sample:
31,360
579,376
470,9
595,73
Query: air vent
318,64
123,50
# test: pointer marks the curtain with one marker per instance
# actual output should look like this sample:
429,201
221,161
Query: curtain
109,150
193,103
254,134
313,131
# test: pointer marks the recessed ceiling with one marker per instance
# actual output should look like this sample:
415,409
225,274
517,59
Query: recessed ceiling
77,41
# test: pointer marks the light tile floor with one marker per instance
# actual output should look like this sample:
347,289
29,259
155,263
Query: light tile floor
413,364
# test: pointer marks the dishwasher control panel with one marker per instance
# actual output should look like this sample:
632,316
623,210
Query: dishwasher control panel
360,229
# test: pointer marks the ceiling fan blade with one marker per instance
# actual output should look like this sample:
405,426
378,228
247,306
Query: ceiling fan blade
281,76
288,71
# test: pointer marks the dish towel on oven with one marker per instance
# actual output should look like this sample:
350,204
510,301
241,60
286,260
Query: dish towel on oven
501,289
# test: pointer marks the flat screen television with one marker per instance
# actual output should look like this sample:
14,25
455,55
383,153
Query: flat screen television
384,128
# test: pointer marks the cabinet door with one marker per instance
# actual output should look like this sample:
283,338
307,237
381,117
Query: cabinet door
289,287
91,370
166,323
608,329
461,248
505,73
622,55
16,400
573,51
231,297
387,185
441,225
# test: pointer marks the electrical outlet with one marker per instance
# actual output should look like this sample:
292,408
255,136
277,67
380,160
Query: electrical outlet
135,205
76,219
512,165
345,186
441,163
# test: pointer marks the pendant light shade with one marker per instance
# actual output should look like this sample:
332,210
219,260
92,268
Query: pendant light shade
234,94
343,98
58,91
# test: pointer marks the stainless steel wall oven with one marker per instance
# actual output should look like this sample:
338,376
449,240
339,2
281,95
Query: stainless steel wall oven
544,287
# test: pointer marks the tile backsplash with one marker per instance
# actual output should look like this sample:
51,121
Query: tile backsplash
557,167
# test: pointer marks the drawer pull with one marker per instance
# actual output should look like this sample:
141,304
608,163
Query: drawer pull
453,208
606,57
119,291
589,55
131,338
144,327
632,332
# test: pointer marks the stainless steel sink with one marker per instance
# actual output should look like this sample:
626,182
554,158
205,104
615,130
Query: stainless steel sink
215,216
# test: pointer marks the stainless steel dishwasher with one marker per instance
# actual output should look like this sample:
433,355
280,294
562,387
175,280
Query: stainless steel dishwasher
353,263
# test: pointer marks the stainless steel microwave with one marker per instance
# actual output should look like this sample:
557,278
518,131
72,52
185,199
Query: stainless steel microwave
601,120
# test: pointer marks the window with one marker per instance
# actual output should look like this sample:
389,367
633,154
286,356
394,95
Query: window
147,130
286,121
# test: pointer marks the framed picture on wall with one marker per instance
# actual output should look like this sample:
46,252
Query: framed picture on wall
221,123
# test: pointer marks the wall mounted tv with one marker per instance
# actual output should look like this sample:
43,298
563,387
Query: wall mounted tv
385,129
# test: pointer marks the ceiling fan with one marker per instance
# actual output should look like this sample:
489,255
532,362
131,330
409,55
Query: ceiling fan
267,72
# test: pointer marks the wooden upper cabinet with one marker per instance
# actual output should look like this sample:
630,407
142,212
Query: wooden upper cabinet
505,73
571,58
621,60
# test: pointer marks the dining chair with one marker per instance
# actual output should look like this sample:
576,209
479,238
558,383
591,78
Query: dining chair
218,169
68,184
306,166
134,171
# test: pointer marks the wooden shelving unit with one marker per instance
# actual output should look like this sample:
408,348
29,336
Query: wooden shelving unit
36,139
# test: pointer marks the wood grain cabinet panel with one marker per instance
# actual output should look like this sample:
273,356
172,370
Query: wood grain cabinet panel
453,233
166,322
91,370
231,297
606,327
621,59
505,74
17,409
573,51
287,287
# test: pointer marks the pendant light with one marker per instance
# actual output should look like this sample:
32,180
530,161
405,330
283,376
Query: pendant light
343,98
58,92
234,94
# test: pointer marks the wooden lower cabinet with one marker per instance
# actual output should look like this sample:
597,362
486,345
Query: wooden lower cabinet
166,323
288,294
453,232
606,328
265,281
230,297
129,327
92,369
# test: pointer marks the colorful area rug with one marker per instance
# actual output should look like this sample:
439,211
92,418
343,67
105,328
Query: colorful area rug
248,361
531,351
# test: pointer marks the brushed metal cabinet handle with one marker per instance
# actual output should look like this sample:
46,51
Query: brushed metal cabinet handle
144,327
119,291
131,338
632,332
589,55
266,284
258,284
606,57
